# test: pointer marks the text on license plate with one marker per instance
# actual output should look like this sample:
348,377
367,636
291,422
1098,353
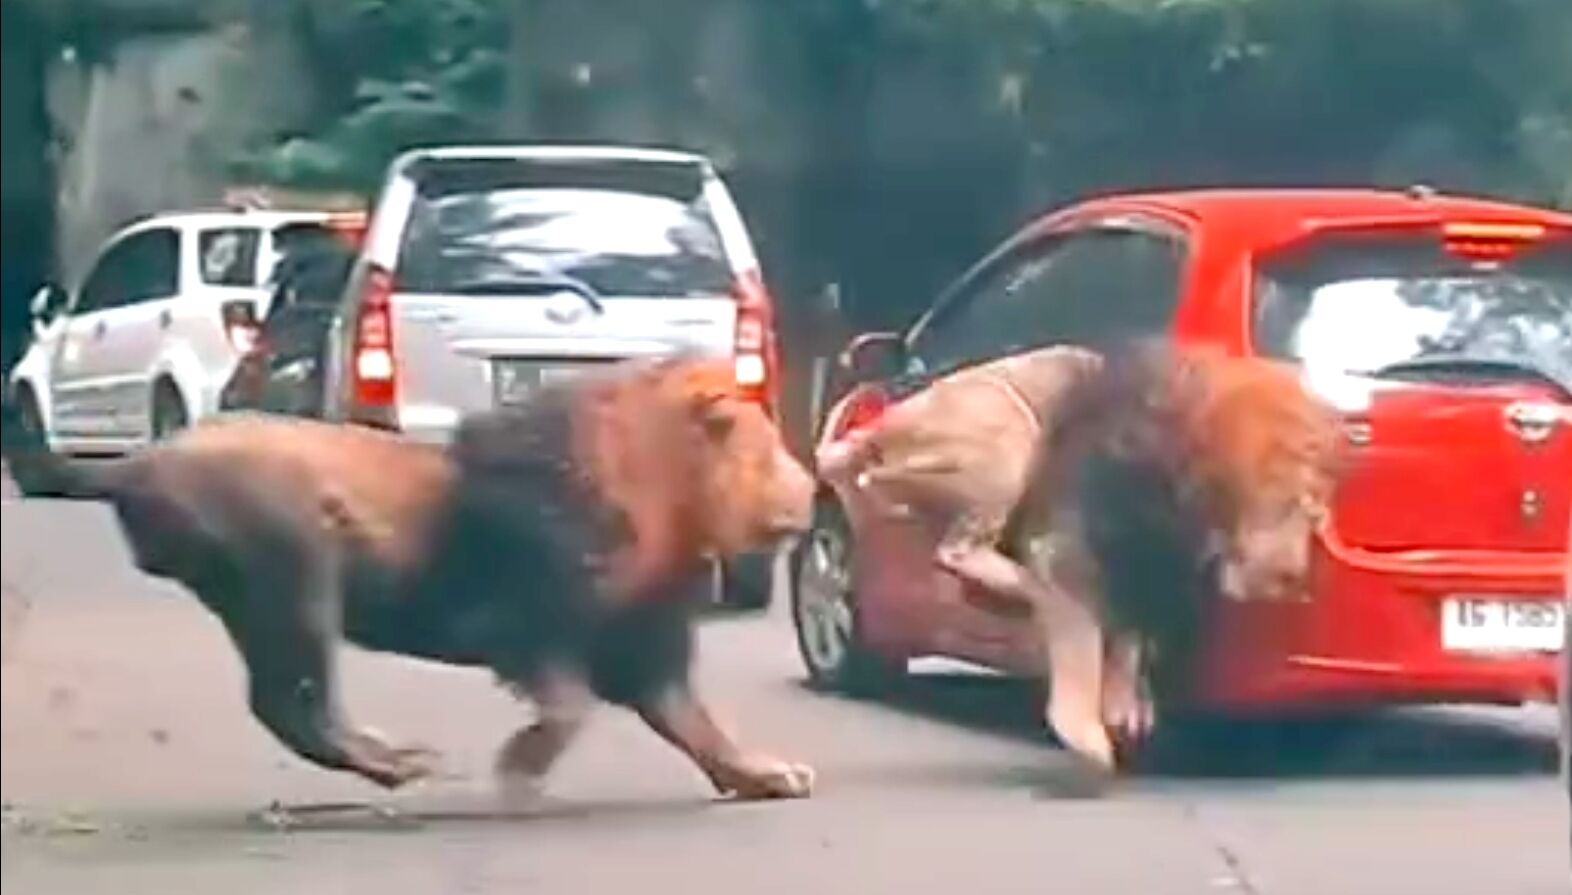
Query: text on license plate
1484,624
553,375
513,381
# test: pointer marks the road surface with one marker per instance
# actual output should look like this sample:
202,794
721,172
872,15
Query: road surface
130,766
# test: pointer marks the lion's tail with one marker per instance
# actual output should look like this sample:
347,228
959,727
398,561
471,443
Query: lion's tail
40,472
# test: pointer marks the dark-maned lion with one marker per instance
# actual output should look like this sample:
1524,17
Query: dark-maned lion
1171,478
552,544
1113,492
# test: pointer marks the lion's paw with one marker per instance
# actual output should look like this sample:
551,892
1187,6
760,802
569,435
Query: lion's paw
769,778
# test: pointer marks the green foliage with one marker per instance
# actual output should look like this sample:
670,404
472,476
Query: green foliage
1096,94
409,72
1474,94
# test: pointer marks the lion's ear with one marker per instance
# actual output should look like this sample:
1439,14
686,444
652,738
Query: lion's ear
711,412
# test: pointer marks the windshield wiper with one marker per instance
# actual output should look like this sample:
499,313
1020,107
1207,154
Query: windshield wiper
545,282
1493,368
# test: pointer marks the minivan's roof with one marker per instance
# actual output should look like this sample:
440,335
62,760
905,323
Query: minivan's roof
557,152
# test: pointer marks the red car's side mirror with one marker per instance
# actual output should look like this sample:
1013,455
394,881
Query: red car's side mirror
870,356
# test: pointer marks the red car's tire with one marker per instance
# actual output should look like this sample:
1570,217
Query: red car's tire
824,611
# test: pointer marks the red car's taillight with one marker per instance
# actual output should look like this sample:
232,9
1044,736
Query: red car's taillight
1489,243
861,412
373,368
754,345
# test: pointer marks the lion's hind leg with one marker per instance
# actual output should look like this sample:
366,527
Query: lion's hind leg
283,613
563,702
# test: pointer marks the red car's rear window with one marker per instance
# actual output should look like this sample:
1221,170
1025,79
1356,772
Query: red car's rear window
1372,303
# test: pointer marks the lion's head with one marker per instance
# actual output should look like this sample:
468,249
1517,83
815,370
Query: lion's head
1193,474
694,465
1263,452
751,491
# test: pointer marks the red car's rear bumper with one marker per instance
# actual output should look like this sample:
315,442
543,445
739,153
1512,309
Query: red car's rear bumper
1372,635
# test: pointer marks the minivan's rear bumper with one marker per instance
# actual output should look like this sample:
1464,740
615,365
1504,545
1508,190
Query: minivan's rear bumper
1371,634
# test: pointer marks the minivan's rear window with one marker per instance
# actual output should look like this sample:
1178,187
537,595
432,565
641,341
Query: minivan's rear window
519,241
1402,305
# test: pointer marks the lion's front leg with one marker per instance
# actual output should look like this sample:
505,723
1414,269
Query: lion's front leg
1074,644
683,720
1072,636
1128,710
643,659
1073,639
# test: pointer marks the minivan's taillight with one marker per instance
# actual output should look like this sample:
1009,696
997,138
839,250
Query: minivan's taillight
373,369
240,324
754,348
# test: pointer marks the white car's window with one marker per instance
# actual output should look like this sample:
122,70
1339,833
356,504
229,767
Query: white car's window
227,256
140,267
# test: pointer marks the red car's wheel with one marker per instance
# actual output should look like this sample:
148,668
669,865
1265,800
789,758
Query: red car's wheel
824,611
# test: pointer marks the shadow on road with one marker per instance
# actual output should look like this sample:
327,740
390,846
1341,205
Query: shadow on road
1389,743
452,812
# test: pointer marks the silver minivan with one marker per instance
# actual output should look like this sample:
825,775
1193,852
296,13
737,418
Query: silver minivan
488,270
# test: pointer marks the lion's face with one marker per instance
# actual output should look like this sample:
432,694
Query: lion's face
754,491
1267,453
1266,554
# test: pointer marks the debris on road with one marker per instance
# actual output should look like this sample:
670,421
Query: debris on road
280,818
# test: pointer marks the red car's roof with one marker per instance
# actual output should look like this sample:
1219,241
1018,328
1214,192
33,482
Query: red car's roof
1269,216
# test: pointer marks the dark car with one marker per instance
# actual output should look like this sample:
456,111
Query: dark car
282,373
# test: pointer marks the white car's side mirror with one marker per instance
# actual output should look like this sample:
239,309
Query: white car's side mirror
48,301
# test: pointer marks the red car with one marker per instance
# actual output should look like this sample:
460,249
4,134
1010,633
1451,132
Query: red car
1441,329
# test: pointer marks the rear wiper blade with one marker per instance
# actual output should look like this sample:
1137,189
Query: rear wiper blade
533,283
1495,368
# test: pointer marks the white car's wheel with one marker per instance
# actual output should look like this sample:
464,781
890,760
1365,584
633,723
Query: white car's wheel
31,419
169,411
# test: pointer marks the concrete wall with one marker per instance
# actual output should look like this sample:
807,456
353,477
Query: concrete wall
154,124
114,109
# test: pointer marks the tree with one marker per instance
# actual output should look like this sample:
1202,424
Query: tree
410,72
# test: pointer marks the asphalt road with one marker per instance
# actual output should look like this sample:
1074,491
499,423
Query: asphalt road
130,765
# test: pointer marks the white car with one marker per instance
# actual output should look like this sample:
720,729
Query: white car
144,343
